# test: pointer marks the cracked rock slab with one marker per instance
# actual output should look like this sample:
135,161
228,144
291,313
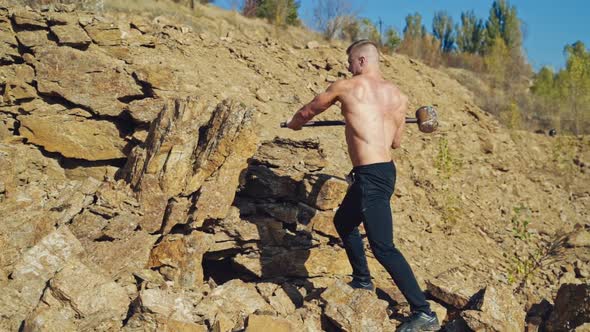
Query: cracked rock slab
355,309
88,78
74,137
71,35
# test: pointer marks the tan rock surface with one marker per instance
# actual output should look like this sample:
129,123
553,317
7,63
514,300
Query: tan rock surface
356,310
91,79
8,43
453,287
71,35
259,323
233,300
98,301
33,38
74,137
497,311
179,258
24,18
146,110
32,272
324,192
104,33
463,220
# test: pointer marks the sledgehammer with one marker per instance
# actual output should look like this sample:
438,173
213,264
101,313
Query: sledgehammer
426,118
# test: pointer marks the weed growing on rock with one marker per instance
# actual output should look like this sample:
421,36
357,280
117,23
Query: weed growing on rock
520,223
446,162
443,162
530,256
450,209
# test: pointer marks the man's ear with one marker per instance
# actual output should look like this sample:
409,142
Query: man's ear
362,60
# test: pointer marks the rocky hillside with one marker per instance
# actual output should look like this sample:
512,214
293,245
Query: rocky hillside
146,185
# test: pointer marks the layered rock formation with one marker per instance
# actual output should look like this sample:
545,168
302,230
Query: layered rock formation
145,185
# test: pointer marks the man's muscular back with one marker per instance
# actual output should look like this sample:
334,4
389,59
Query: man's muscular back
374,110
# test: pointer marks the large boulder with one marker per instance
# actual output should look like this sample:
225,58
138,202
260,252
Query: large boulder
104,33
88,78
323,191
107,254
71,35
454,287
356,310
230,303
74,137
165,310
39,264
275,261
99,302
185,154
24,18
498,310
8,45
279,166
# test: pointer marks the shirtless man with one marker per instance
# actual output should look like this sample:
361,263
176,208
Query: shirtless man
374,112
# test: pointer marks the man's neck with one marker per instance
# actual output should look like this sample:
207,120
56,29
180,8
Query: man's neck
373,72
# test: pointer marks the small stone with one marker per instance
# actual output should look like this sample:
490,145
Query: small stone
580,238
262,95
312,45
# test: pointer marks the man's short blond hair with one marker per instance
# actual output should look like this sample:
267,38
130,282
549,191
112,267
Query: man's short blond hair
360,43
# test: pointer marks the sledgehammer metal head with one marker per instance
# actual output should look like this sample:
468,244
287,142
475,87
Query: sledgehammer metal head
427,119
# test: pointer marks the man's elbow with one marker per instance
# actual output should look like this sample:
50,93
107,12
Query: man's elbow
306,113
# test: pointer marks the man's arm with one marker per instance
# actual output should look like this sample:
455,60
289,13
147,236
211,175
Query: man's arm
319,104
401,120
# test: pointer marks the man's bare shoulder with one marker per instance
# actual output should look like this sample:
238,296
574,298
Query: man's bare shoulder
345,83
399,98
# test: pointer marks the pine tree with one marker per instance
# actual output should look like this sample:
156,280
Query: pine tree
503,23
414,28
392,39
471,34
495,60
544,83
280,12
442,29
575,87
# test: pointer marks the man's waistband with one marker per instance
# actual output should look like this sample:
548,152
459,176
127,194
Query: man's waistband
384,165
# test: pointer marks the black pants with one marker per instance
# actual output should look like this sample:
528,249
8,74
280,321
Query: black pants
367,200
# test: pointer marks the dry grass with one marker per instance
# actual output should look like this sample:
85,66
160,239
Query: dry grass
211,19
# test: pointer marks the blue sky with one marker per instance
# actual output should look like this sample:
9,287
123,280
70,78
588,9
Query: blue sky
549,25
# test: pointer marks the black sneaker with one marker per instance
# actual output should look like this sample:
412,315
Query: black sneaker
357,284
420,321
